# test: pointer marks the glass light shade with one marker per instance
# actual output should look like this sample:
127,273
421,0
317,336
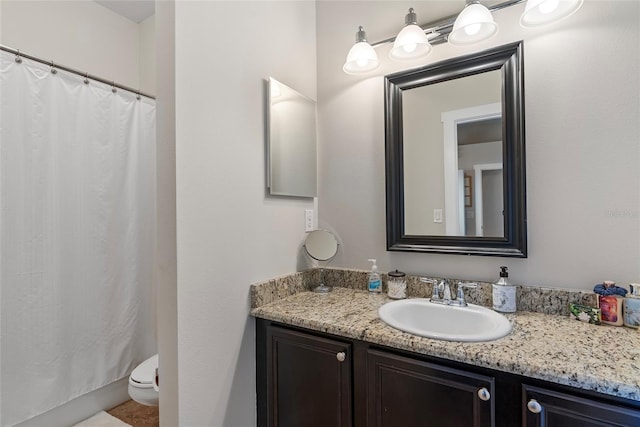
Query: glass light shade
475,23
361,58
410,43
541,12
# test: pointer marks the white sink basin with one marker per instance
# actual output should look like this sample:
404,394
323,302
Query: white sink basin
444,322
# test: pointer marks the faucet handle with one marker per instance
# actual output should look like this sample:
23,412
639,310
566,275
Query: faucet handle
470,285
435,295
460,296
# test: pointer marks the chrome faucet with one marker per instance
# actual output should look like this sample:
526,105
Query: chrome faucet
444,288
438,288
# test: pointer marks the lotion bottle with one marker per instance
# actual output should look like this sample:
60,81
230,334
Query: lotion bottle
375,283
504,293
631,307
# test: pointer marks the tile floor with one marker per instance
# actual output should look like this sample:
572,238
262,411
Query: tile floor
137,415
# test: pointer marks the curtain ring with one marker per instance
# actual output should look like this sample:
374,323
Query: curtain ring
53,68
138,97
18,57
86,78
113,87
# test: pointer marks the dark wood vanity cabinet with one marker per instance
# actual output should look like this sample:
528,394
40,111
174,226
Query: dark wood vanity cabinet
547,408
406,392
308,379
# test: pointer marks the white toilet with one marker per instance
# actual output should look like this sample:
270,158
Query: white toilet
143,382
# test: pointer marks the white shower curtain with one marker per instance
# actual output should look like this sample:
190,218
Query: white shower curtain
77,218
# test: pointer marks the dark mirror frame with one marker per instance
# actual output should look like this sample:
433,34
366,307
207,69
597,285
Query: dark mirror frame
508,59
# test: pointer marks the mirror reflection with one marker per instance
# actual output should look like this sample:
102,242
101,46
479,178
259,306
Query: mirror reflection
452,136
292,164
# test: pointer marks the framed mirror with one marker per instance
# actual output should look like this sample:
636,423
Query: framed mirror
291,142
455,156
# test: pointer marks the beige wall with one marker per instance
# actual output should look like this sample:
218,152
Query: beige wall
582,133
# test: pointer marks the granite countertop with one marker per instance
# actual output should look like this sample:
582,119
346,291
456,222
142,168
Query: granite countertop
554,348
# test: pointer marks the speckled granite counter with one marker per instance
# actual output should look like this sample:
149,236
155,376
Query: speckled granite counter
553,348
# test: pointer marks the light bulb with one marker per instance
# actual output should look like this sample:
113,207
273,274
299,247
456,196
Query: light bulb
472,30
361,57
542,12
475,23
411,42
410,47
548,6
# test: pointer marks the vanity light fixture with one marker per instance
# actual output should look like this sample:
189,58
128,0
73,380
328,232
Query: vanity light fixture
361,57
411,42
541,12
475,23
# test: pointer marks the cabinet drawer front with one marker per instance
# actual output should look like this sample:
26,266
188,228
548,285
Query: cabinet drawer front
542,407
309,383
408,392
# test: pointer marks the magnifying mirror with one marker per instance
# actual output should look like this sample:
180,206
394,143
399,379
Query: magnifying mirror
322,246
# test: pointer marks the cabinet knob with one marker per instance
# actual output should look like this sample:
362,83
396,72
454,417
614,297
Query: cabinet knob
341,356
534,406
484,394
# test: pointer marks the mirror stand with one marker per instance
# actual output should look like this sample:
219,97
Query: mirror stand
321,246
322,288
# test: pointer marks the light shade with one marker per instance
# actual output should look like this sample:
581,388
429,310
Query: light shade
541,12
411,42
361,57
475,23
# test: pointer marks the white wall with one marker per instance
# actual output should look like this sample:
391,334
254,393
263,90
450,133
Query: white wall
167,291
582,133
147,55
80,34
229,232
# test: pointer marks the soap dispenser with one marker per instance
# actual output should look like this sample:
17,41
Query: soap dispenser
504,293
375,283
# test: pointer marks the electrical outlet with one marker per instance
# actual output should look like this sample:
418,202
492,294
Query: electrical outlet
308,220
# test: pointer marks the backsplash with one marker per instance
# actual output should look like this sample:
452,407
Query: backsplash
529,298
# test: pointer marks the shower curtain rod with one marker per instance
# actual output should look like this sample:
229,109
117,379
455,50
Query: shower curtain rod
20,54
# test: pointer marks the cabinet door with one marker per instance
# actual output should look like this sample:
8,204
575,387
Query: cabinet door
308,380
546,408
407,392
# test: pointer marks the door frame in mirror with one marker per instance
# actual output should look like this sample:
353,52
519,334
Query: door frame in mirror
509,60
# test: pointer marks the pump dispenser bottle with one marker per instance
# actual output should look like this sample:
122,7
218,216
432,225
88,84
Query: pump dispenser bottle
504,293
375,283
